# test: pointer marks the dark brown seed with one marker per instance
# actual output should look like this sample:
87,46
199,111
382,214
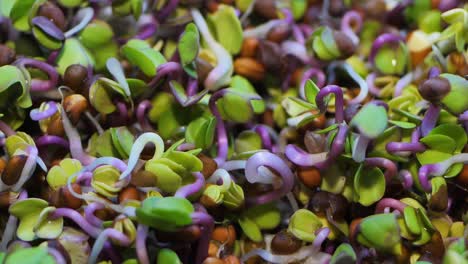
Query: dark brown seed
375,8
249,47
354,228
279,33
75,77
143,179
266,8
249,68
203,68
337,7
434,250
309,176
5,199
462,178
128,193
284,243
74,105
54,14
434,89
269,54
13,169
187,234
344,43
63,198
55,126
249,245
7,55
324,203
439,200
209,165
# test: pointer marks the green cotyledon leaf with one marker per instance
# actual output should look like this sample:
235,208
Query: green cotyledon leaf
140,53
166,214
225,20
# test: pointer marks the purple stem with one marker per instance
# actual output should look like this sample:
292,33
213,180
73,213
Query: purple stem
446,5
146,31
308,74
390,203
78,219
380,41
389,166
142,108
47,140
142,253
207,224
168,68
407,178
59,259
320,236
339,103
192,188
123,111
274,162
302,158
220,128
111,233
423,176
50,110
36,84
76,148
89,214
370,79
167,10
339,141
6,129
349,18
262,130
306,29
430,119
395,147
298,35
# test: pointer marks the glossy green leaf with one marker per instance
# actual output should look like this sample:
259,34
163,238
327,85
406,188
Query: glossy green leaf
188,44
104,145
20,140
58,175
13,86
20,12
225,20
343,254
370,186
166,179
303,224
122,140
48,228
311,90
402,124
168,256
266,216
101,95
46,40
139,53
73,52
235,108
247,141
201,132
371,120
167,214
96,33
70,3
439,142
33,255
251,230
412,220
456,100
380,231
454,131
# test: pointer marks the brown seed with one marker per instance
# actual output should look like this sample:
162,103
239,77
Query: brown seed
74,105
354,228
213,260
309,176
70,200
224,234
266,8
434,89
249,68
439,200
249,245
5,199
344,43
7,55
462,178
212,6
13,169
269,54
231,259
143,178
128,193
203,68
249,47
375,8
207,202
458,62
54,14
75,77
213,249
284,243
189,233
337,7
55,126
209,165
279,33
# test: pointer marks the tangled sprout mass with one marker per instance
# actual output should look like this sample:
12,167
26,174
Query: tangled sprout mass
233,131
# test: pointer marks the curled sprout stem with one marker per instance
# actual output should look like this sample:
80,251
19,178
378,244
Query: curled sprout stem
430,119
192,188
438,169
270,160
142,108
389,203
406,178
223,175
59,259
364,91
302,158
390,167
221,74
89,213
380,41
403,83
38,85
102,238
350,18
137,148
308,74
220,128
401,147
47,140
320,236
76,217
28,168
339,102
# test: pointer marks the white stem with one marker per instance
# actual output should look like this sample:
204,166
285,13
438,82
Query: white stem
86,15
